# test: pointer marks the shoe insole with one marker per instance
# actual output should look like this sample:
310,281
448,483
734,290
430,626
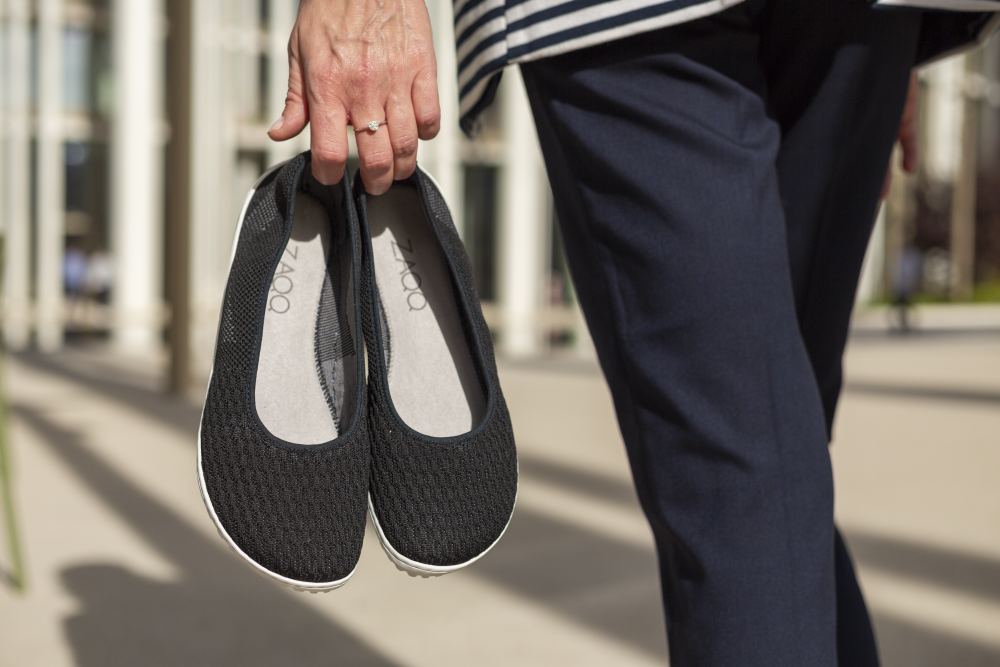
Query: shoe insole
433,381
296,399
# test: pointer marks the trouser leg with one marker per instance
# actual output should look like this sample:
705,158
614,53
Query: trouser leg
664,181
836,80
837,75
671,188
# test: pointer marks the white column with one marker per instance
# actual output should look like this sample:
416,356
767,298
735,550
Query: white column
583,344
136,170
243,21
941,155
50,175
441,157
873,268
523,223
282,20
17,233
213,215
990,119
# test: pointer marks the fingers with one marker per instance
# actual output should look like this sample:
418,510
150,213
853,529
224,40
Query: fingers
426,107
318,96
402,128
292,120
295,115
374,150
328,140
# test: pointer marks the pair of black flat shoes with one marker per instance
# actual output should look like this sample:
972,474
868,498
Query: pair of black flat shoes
297,440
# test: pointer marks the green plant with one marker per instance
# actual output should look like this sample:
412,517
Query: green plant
987,292
7,500
17,576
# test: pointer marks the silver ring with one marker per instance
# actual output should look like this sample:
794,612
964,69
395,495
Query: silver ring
371,127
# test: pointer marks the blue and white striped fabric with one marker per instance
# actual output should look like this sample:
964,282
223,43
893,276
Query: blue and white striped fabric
493,33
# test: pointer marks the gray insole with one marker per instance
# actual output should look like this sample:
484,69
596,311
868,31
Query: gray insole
432,376
292,401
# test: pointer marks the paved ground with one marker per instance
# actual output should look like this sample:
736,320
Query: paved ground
126,569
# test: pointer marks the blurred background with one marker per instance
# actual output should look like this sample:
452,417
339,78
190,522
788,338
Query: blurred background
130,131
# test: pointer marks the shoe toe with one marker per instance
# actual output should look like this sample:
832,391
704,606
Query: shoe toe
444,503
298,513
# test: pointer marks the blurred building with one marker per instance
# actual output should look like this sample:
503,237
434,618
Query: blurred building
83,131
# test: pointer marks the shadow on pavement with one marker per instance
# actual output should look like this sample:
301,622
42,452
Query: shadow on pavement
906,644
937,394
918,332
118,385
219,613
968,573
602,583
594,485
8,580
595,580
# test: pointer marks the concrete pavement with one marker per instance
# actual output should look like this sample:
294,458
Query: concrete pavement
126,569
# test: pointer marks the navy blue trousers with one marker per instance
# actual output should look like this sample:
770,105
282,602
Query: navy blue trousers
716,185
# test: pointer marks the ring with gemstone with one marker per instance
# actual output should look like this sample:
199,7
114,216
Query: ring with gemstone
372,126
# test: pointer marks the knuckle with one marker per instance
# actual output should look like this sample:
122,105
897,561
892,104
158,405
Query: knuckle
322,82
377,161
406,146
430,126
334,155
429,119
292,46
429,115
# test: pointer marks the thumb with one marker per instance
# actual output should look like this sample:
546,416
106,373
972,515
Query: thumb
295,115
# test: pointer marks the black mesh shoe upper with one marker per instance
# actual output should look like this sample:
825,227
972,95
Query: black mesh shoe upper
297,510
438,500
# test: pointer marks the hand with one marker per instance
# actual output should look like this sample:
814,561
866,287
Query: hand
908,134
353,61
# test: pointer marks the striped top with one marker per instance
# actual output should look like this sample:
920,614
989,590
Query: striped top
491,34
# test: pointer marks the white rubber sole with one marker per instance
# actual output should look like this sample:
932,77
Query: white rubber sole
295,584
416,568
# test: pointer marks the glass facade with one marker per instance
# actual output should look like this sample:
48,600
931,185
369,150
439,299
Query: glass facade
86,192
241,72
86,70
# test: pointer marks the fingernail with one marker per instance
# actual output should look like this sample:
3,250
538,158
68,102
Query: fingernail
277,124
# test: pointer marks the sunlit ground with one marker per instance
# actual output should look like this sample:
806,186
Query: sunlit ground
124,567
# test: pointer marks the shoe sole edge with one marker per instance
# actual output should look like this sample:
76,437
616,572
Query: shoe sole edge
416,568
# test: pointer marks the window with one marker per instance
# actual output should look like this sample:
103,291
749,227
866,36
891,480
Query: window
86,64
86,192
